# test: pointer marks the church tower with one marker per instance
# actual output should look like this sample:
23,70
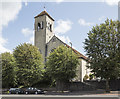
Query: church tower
43,26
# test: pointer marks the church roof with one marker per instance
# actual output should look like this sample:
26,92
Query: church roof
44,13
78,53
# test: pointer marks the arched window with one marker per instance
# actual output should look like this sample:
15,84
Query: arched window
51,27
40,26
54,40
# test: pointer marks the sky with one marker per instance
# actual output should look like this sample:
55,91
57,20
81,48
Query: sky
73,20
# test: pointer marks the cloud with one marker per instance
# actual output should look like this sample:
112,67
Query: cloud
63,38
63,26
59,1
31,40
111,2
66,40
27,32
102,18
2,44
84,23
26,3
8,12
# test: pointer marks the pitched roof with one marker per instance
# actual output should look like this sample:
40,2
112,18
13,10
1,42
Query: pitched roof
44,13
78,53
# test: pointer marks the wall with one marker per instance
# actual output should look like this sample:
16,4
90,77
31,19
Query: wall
49,34
84,69
78,86
54,43
114,84
78,72
40,35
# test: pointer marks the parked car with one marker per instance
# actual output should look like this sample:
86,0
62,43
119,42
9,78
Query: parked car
16,91
21,91
13,90
32,90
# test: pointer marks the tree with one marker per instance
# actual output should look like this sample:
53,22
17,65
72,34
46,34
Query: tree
30,64
103,49
8,70
85,77
61,64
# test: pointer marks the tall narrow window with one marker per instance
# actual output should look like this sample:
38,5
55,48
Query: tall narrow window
51,27
38,27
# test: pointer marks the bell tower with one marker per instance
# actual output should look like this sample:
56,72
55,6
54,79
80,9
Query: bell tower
43,31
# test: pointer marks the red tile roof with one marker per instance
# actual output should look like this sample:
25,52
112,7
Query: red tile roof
44,13
78,53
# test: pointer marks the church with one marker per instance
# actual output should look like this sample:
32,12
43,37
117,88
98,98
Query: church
46,41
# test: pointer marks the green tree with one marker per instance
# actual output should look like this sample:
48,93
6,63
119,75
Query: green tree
103,49
61,64
30,64
85,77
8,70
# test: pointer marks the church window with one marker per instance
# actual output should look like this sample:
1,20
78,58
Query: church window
54,40
51,27
40,26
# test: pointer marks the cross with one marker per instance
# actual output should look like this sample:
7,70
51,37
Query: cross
44,8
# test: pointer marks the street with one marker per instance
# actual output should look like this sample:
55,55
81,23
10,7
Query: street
97,96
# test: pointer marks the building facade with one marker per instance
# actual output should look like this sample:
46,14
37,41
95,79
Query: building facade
46,41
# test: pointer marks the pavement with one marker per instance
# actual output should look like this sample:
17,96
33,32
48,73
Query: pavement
60,97
98,94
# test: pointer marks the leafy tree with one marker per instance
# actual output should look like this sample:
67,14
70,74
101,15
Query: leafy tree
8,70
103,49
30,64
85,77
91,76
61,64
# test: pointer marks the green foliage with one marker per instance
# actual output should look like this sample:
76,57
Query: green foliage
30,64
91,76
85,77
61,64
8,70
103,49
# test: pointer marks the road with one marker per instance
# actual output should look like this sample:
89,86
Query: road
97,96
